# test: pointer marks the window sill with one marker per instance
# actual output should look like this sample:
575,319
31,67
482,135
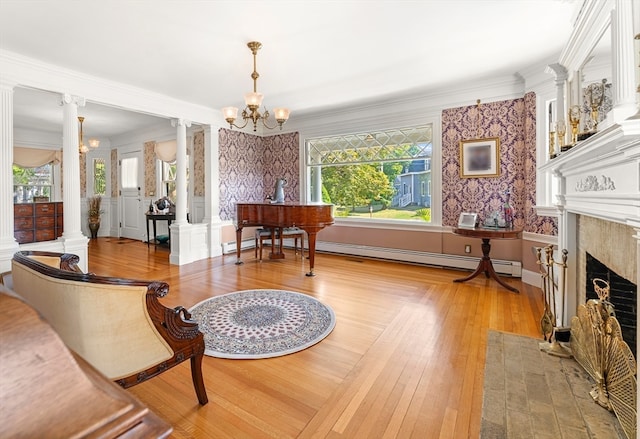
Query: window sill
388,224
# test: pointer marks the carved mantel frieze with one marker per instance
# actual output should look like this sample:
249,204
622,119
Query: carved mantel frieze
595,183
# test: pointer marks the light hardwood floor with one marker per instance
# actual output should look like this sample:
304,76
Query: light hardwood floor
405,360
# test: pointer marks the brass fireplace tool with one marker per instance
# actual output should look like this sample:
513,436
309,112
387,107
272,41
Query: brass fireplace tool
550,285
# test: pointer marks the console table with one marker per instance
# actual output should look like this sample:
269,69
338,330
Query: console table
153,217
485,266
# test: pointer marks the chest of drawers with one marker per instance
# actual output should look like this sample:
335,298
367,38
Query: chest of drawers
34,222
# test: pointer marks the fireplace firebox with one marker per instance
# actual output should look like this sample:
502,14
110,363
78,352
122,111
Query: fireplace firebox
622,296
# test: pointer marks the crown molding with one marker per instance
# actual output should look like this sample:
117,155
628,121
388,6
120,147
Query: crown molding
592,22
28,72
417,108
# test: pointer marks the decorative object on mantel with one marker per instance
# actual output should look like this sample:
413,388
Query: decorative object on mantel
94,212
574,120
278,191
597,344
253,100
597,103
592,183
561,131
552,140
548,323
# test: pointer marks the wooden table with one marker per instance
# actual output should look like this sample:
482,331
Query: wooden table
168,217
485,265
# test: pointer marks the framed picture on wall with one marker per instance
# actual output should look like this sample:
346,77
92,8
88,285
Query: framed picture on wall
480,157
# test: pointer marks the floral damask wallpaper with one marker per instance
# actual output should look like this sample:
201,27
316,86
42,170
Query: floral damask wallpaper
114,172
198,164
149,158
513,121
249,165
281,158
83,175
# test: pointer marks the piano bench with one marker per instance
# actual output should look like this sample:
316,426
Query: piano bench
288,232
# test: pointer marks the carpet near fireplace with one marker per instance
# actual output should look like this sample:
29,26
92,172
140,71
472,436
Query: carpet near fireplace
530,394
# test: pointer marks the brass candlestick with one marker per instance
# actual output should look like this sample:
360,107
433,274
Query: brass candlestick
574,120
561,130
552,140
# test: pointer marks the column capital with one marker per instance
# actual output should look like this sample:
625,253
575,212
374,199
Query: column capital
67,98
558,70
180,122
7,84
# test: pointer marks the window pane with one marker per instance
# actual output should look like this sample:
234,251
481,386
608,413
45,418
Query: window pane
99,177
32,182
130,173
398,144
381,175
169,179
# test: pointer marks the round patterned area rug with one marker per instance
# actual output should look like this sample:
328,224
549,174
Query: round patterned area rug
261,323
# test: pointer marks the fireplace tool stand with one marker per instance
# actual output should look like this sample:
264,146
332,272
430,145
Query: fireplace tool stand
548,321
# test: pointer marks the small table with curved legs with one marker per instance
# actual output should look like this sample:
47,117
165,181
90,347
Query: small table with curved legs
485,266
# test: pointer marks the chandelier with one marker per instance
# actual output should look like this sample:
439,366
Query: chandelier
253,100
93,143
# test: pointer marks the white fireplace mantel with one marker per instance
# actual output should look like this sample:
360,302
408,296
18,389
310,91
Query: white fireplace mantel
600,176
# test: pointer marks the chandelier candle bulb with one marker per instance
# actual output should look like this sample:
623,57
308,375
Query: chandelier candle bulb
253,99
230,113
281,114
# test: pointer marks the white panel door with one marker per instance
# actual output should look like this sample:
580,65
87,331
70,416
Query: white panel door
131,213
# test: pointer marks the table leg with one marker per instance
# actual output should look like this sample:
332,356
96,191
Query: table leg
485,266
155,238
148,237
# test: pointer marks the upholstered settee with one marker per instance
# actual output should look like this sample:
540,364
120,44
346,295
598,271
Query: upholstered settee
117,325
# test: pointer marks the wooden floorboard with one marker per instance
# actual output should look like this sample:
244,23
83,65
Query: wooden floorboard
405,359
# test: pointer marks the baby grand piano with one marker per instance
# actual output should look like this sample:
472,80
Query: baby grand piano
309,217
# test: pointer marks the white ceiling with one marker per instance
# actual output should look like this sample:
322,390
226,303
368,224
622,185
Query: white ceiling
316,54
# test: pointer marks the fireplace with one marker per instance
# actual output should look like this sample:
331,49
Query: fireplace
601,222
622,296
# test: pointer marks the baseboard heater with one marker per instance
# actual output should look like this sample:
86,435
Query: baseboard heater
510,268
230,247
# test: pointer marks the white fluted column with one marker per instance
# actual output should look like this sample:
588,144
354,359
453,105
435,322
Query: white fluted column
71,166
72,238
181,248
624,90
212,190
8,244
181,169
